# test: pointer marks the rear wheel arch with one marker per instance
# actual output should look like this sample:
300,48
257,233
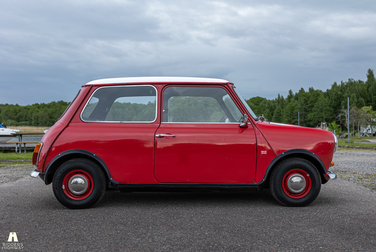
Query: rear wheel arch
65,156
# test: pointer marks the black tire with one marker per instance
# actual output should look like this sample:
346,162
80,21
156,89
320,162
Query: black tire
79,183
295,182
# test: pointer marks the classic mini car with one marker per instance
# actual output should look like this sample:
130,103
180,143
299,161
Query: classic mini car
177,134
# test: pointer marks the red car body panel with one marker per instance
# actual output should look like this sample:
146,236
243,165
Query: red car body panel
265,155
126,149
200,153
283,137
205,153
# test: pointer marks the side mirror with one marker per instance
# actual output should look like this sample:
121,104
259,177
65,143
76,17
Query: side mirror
244,122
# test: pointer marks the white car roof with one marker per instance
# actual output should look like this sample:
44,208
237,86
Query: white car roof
156,80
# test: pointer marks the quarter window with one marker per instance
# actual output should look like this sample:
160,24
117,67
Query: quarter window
122,104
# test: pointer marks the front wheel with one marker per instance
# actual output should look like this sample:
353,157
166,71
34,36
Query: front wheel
79,183
295,182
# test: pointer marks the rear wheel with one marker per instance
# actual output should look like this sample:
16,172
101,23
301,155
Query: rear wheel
295,182
79,183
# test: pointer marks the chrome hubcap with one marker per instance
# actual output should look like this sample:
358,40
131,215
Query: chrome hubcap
296,183
78,184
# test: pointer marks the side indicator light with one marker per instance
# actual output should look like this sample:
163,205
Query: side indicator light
332,164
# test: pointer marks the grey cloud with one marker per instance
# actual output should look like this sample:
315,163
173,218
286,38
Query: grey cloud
264,47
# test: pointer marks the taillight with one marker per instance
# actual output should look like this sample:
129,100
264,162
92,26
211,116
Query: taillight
36,153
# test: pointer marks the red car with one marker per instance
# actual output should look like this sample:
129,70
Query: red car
177,134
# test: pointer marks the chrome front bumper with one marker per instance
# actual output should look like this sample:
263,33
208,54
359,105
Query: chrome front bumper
332,175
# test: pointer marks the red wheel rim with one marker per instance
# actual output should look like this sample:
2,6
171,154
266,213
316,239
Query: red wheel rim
297,183
77,185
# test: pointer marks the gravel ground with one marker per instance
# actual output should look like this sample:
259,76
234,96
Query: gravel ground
12,172
356,166
351,165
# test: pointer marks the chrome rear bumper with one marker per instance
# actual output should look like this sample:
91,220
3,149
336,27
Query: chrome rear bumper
34,174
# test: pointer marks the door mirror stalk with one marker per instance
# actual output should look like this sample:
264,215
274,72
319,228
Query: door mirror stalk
244,122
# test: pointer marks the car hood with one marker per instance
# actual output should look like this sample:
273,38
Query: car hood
283,137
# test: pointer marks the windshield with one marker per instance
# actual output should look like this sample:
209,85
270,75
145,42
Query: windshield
245,104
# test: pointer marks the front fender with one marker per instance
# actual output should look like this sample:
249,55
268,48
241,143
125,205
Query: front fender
299,153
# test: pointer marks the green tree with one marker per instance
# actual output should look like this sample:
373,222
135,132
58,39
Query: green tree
289,115
267,115
254,103
333,126
371,87
277,117
321,111
301,106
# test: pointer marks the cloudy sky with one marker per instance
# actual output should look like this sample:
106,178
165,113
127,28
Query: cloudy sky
48,49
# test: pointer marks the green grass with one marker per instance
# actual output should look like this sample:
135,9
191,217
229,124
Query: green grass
8,159
16,156
12,164
356,142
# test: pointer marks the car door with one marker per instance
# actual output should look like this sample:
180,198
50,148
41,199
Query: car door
199,139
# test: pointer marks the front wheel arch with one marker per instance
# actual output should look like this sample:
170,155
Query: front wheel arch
295,153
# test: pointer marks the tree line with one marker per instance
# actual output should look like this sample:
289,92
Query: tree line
313,106
43,114
316,106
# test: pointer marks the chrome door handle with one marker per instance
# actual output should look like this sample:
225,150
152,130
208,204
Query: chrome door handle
164,135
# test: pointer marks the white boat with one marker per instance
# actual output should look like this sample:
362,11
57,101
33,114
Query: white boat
6,134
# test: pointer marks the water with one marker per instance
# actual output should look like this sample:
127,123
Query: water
27,139
29,146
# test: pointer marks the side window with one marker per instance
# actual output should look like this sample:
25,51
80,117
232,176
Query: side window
90,107
122,104
230,104
199,104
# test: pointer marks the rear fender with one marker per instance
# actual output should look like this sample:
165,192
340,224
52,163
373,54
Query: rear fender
70,154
